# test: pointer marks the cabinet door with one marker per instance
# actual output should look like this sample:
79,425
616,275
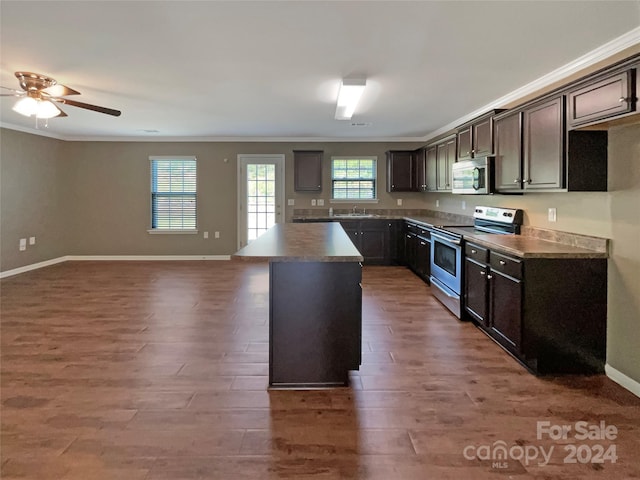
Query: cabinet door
431,169
410,250
508,161
374,242
401,171
506,309
544,145
476,291
464,144
352,229
307,168
446,157
603,99
423,258
482,138
419,159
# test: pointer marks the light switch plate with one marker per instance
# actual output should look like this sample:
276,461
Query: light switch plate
291,201
313,202
23,244
399,202
32,240
553,215
321,202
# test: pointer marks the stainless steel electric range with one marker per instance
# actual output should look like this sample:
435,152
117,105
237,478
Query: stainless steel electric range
447,246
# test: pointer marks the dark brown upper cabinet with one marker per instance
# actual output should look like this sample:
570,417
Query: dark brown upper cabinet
307,170
544,145
401,171
602,99
431,165
420,159
535,152
508,152
475,139
446,157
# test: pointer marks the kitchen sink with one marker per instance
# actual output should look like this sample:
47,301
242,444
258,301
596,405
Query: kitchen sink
355,215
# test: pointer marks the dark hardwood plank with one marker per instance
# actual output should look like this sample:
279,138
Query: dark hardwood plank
158,370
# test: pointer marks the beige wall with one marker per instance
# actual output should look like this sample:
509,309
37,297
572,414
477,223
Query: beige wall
623,312
31,201
99,193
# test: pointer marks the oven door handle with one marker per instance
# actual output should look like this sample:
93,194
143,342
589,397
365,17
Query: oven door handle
435,283
444,239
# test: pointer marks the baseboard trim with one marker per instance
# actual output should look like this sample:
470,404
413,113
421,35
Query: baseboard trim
623,380
145,258
33,266
112,258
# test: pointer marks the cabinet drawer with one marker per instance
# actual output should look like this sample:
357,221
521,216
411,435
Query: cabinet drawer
424,232
412,228
507,265
479,254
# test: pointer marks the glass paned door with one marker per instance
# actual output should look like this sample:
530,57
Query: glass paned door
261,199
260,195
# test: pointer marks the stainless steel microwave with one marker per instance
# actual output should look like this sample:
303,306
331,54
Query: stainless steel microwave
473,176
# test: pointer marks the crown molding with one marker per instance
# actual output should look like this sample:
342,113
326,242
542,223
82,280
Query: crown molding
627,40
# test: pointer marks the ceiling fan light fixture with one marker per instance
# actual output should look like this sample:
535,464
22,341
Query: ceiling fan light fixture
47,109
29,106
348,97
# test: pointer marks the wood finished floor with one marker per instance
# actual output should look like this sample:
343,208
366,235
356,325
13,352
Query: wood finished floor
159,371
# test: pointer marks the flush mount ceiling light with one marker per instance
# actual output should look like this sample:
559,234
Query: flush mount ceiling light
29,106
350,92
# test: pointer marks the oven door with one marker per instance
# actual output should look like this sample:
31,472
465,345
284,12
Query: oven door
446,259
446,272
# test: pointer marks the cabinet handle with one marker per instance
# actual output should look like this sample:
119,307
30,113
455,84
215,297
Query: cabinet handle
502,262
483,273
529,181
319,186
408,236
623,99
489,277
517,180
474,251
422,243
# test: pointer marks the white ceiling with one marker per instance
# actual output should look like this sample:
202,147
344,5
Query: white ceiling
218,69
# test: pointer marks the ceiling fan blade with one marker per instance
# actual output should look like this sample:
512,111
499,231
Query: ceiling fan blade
15,92
62,114
95,108
58,90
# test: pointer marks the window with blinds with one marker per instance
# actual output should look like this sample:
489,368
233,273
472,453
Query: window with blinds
173,193
353,178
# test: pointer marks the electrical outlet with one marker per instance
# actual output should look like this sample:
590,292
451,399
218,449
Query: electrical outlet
216,234
291,202
464,205
399,202
552,215
321,202
437,203
206,235
32,240
23,244
313,202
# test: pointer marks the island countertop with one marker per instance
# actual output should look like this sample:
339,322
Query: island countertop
301,242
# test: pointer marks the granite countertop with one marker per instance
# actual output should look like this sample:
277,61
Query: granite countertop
531,247
302,242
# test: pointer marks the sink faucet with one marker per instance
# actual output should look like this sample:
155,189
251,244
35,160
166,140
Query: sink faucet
354,209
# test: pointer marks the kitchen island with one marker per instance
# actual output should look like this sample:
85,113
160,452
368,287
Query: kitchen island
315,303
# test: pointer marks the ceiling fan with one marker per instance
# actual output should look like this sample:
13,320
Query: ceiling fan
39,93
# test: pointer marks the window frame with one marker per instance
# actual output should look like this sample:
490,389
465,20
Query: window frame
172,231
375,179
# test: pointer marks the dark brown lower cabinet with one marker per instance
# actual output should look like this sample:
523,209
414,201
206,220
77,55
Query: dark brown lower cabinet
549,313
315,323
477,291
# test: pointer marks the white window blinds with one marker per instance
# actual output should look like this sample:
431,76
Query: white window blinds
173,193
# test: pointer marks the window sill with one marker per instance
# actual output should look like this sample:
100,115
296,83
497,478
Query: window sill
156,231
353,201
